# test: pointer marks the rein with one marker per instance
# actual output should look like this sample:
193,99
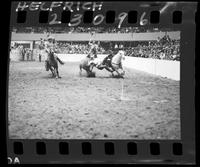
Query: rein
115,63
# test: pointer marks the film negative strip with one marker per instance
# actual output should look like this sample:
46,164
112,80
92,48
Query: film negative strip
101,82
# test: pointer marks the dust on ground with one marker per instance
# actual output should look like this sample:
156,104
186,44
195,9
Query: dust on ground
77,107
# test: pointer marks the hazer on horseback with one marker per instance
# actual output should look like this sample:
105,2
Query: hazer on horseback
93,50
86,63
52,58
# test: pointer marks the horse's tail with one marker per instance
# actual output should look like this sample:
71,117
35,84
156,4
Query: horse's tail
61,62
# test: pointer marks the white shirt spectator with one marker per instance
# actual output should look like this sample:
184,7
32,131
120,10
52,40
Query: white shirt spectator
162,55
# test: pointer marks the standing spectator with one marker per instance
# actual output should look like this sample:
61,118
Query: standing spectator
162,55
22,52
140,54
116,46
27,54
40,56
174,55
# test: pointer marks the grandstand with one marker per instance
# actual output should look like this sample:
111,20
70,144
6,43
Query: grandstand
136,41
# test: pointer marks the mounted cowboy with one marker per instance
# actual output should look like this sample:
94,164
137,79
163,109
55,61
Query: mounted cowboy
51,48
93,49
93,52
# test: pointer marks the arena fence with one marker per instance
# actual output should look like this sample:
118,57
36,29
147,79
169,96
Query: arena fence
165,68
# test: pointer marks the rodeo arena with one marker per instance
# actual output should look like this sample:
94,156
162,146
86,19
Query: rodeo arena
94,83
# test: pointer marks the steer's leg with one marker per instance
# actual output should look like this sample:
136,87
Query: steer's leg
91,67
118,72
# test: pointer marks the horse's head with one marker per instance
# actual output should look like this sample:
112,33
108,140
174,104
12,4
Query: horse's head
122,53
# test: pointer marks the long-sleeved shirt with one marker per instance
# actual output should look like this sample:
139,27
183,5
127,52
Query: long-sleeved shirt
50,47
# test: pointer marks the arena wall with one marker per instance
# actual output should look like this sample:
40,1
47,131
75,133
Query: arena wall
15,55
164,68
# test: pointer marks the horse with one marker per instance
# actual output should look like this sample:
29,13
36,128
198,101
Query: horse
111,63
116,63
52,64
84,64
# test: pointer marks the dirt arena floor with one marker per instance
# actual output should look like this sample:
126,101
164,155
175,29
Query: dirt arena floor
77,107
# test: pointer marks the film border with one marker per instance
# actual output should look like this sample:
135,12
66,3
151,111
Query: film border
98,155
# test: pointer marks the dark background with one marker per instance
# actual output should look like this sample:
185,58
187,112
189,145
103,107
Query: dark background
118,7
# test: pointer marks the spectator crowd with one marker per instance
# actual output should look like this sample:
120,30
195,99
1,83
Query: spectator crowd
77,48
163,48
84,29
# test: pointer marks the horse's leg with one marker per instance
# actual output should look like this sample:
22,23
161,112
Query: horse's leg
110,70
47,66
58,73
52,71
118,72
56,70
80,67
123,72
116,69
88,71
